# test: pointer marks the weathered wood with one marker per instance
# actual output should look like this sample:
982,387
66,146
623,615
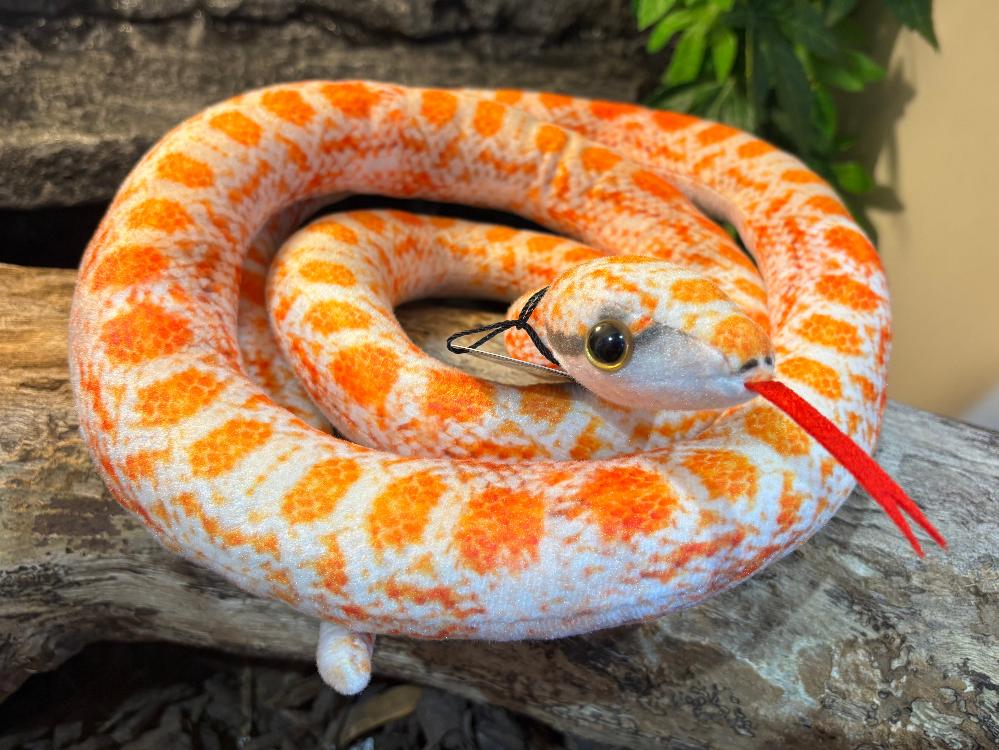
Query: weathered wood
851,641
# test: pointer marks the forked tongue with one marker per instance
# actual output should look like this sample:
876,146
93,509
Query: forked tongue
865,470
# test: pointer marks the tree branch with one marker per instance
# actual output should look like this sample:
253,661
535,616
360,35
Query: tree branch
850,640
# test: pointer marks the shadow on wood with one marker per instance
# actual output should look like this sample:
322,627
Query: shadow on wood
849,641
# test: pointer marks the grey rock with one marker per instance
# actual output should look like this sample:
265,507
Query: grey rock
86,95
417,19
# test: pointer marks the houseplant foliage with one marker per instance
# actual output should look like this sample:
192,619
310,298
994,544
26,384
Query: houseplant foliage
772,67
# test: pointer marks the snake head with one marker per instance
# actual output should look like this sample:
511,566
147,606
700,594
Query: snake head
644,333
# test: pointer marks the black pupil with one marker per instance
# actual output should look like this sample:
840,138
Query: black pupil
607,343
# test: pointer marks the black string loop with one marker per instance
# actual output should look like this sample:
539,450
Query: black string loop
494,329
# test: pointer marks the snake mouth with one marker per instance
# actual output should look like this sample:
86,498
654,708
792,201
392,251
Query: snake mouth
757,370
758,375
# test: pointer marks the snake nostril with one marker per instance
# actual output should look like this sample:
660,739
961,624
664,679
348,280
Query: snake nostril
769,360
749,365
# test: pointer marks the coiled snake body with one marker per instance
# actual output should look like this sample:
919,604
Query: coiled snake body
482,511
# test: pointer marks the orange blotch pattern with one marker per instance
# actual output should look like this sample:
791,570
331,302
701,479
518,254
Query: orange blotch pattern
332,568
822,378
455,395
144,332
407,218
596,159
778,431
488,118
91,385
544,403
288,105
294,153
352,99
366,373
853,243
726,474
222,448
828,331
866,387
800,176
237,126
252,286
849,292
159,213
751,289
177,397
330,315
587,442
543,243
438,107
654,185
442,596
128,265
754,148
500,234
327,272
500,529
715,134
550,139
672,121
738,335
626,503
401,512
790,504
316,494
184,170
508,96
696,291
555,101
370,221
827,205
142,464
337,231
610,110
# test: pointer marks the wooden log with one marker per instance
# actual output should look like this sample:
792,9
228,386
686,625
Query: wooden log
851,641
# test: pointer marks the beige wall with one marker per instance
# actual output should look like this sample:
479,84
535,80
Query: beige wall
934,123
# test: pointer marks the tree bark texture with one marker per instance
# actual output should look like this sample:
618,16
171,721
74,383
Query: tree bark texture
851,641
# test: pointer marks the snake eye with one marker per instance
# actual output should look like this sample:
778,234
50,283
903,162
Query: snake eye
608,345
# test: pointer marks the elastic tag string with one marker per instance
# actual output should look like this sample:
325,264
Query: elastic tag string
865,469
494,329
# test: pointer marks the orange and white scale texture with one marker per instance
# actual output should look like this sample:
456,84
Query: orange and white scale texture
378,542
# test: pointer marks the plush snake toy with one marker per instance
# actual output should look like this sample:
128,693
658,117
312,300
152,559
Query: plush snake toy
661,472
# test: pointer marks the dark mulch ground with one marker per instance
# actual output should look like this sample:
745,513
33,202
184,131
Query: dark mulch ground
153,696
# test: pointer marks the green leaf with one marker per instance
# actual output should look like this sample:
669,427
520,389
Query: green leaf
663,31
714,108
804,25
824,116
838,77
837,10
687,59
916,15
649,11
794,95
724,46
693,99
758,83
735,110
852,177
863,67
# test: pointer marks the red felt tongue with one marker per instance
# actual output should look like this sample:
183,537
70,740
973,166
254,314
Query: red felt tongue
865,470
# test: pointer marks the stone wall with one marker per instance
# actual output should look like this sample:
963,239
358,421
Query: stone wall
90,84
